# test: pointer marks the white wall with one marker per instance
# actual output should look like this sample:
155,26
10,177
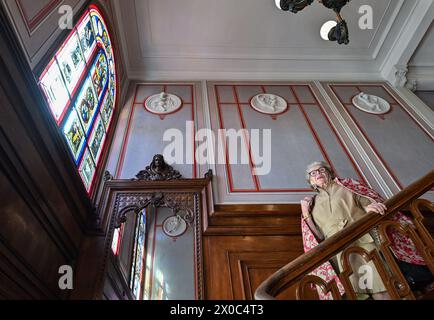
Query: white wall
388,152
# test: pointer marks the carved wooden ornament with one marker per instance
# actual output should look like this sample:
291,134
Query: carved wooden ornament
158,170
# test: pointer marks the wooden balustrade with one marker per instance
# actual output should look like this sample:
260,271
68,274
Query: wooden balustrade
297,271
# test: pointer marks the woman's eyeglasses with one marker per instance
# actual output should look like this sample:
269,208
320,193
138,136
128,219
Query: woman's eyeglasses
315,172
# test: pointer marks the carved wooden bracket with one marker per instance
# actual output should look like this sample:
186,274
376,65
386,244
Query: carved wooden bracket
134,203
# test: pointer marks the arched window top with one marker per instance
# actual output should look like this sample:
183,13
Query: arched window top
80,87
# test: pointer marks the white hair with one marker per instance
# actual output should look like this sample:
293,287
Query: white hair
321,164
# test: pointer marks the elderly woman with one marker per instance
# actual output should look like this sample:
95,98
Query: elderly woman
335,207
340,202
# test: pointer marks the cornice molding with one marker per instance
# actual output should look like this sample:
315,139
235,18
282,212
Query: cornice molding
404,46
146,75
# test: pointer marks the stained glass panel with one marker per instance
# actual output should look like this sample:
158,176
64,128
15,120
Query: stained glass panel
99,73
55,91
107,109
74,135
86,36
87,105
87,169
96,141
138,256
71,63
79,85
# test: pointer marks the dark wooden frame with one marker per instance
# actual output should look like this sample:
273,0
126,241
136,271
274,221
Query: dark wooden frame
123,196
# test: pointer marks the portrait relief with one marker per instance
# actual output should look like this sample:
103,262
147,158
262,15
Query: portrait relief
163,103
371,103
269,104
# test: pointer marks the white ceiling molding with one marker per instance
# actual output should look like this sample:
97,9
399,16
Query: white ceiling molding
393,12
120,27
253,40
404,46
147,75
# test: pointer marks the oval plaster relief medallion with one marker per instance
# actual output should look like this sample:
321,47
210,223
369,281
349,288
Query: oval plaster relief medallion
371,104
174,226
163,103
269,104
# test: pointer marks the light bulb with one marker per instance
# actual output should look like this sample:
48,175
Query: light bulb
325,29
278,4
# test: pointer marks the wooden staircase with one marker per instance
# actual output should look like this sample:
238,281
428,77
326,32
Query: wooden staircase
298,271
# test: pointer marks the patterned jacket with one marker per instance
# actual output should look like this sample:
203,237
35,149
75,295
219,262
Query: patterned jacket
402,247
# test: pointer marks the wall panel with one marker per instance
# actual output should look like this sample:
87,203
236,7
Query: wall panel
236,265
402,144
299,136
141,136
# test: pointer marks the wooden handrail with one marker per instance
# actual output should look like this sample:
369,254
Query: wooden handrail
298,268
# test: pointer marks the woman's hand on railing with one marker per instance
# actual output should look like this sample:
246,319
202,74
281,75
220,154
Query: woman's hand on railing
377,208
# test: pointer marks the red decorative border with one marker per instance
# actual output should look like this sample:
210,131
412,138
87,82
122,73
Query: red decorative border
394,104
246,140
228,167
32,23
134,103
300,104
170,236
274,115
162,114
151,276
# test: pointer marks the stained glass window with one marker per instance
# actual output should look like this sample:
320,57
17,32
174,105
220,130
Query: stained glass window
117,237
79,85
137,268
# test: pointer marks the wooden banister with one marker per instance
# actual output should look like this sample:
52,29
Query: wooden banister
300,267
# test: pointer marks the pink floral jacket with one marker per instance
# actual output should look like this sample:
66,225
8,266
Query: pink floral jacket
402,247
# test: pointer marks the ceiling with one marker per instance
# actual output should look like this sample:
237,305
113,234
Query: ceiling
252,39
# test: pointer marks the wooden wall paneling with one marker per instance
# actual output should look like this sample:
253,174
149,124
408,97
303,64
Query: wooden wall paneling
45,210
17,178
244,244
115,286
16,280
251,219
235,265
25,234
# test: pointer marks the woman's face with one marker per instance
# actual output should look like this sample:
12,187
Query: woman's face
319,176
